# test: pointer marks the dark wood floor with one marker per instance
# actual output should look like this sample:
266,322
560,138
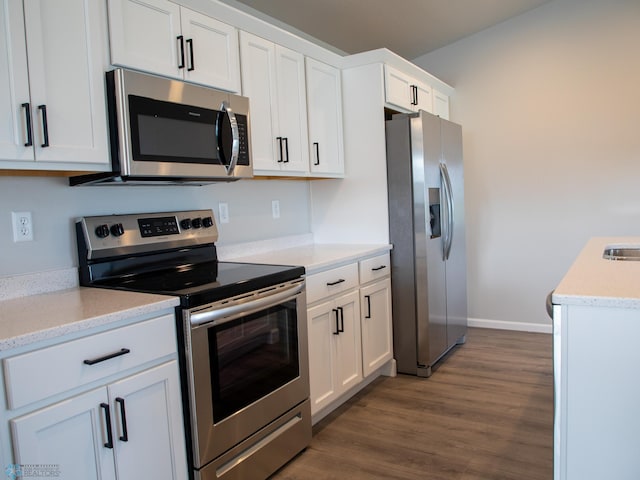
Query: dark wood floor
486,413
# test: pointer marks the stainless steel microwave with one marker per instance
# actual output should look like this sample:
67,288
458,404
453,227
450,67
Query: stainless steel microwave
169,131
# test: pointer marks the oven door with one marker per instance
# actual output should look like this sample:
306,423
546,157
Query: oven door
248,366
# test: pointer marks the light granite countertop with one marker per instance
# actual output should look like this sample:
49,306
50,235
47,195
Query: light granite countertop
314,257
33,318
596,281
29,312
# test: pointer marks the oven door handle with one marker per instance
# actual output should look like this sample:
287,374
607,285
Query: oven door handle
222,315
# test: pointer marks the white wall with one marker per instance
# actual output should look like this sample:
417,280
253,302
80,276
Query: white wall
54,207
550,108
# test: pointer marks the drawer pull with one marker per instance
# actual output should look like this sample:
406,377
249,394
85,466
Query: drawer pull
331,284
123,351
378,268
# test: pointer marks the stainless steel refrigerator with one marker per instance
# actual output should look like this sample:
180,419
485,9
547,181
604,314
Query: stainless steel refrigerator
426,226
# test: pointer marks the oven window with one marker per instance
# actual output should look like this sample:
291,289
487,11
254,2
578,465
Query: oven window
251,357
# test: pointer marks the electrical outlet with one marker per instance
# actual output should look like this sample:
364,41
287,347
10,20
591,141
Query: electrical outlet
275,208
223,212
22,226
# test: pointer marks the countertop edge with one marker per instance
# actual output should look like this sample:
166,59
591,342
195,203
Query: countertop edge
598,282
137,305
316,257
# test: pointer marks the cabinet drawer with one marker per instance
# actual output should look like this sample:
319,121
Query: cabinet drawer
39,374
374,268
331,282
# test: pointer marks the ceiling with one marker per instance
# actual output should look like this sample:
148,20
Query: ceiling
409,28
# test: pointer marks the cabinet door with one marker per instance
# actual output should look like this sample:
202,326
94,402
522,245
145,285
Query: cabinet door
143,34
324,100
66,44
69,435
149,406
258,63
211,51
348,342
424,97
377,341
440,104
14,83
322,328
292,109
397,88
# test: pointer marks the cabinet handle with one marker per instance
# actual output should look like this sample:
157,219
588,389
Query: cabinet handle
280,160
335,310
286,149
192,67
107,419
368,298
341,327
27,114
123,417
93,361
378,268
181,44
45,125
331,284
317,147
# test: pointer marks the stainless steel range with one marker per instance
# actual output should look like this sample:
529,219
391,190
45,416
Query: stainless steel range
242,336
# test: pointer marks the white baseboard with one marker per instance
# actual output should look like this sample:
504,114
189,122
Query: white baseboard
503,325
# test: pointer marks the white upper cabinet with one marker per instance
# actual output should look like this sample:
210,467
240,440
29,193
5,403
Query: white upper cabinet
405,92
273,77
440,104
52,104
158,36
324,101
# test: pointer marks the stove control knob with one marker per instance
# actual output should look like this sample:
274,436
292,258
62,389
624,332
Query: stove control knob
196,222
185,223
207,222
102,231
117,229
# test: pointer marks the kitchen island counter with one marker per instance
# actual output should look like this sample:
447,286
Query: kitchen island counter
596,281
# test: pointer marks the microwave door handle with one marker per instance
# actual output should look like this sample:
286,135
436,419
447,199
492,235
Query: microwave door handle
235,135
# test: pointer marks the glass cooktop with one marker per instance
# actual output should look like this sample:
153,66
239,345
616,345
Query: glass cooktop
207,282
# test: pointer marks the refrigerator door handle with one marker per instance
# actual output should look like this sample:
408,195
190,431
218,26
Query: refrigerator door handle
448,192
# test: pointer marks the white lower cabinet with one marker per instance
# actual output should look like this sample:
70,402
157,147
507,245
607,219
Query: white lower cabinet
132,427
335,361
126,424
377,340
68,435
350,340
